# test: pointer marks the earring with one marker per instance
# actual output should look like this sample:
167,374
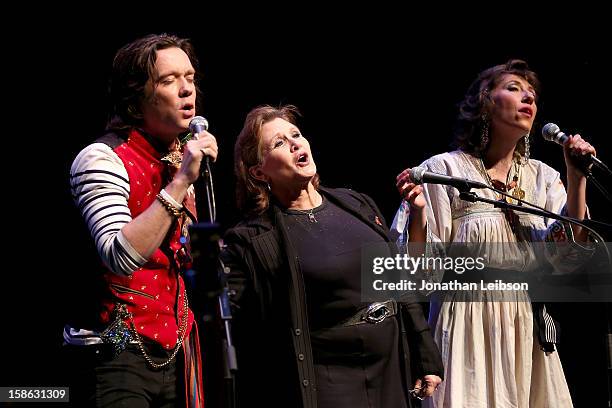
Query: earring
268,185
484,133
527,153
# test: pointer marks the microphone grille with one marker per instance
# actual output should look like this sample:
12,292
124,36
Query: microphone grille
416,174
549,131
197,124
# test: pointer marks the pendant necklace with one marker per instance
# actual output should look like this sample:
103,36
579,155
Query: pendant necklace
309,213
514,185
517,192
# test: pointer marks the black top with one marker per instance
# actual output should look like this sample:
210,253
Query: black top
329,256
357,366
271,327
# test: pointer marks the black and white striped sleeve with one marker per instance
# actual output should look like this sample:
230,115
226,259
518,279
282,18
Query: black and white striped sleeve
100,188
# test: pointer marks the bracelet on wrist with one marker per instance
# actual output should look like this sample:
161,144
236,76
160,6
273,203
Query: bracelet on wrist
170,207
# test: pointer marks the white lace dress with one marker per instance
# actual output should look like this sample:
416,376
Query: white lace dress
490,355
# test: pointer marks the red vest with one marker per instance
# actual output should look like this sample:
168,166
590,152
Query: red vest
151,291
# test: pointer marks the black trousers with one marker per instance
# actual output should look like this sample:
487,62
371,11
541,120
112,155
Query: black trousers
98,379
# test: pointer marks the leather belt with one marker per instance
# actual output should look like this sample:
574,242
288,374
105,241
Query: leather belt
373,313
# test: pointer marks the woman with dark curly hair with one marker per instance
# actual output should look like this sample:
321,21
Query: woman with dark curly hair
304,338
490,353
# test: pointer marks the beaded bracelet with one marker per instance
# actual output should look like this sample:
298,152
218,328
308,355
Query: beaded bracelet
171,208
171,199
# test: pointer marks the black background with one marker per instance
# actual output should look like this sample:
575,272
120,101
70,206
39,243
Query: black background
378,93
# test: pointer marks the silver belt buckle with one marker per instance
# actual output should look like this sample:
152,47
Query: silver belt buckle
377,312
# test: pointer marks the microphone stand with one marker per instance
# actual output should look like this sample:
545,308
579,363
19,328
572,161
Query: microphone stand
470,196
218,287
590,177
230,363
207,180
473,197
601,165
585,168
209,277
467,195
608,340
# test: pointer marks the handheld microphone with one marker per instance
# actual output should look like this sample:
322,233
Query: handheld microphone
552,133
419,175
198,124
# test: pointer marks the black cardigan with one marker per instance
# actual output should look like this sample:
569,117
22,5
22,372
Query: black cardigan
271,332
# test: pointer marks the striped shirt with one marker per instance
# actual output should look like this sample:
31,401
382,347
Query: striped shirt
100,188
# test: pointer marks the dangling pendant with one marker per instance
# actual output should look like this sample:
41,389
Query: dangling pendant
311,217
518,193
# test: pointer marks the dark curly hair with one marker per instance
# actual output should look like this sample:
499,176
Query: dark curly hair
470,121
133,66
252,195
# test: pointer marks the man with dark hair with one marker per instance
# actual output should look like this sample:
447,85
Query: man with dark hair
134,189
